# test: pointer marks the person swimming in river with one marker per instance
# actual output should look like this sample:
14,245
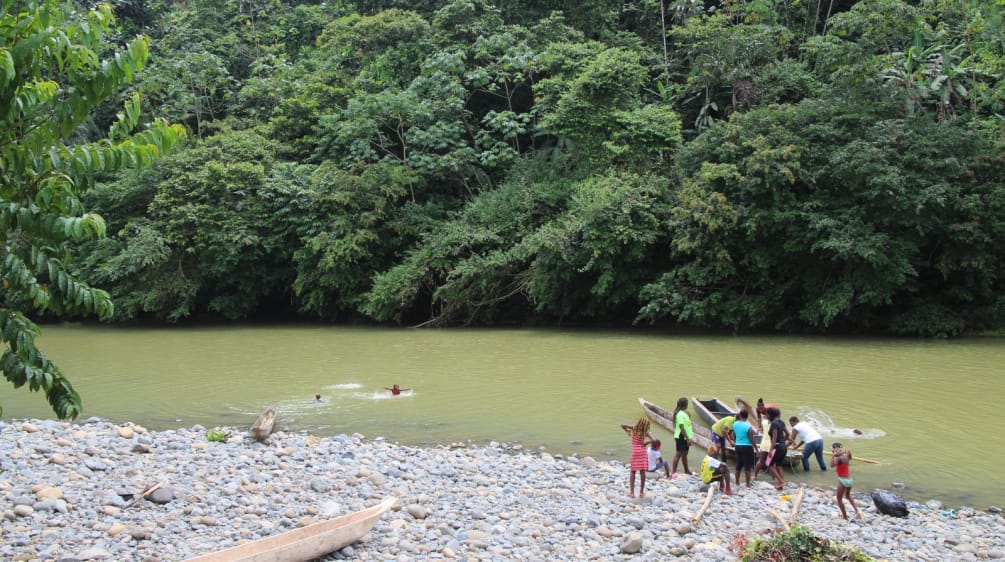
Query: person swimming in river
396,390
317,397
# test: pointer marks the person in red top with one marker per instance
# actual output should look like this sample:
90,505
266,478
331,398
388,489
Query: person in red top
396,391
841,461
640,458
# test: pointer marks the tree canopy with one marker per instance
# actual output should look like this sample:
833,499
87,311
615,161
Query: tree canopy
810,167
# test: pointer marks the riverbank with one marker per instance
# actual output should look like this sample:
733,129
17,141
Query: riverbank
65,490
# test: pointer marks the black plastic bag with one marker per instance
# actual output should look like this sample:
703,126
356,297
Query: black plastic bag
889,504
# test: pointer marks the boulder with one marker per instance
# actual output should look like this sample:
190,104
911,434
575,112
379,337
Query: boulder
632,543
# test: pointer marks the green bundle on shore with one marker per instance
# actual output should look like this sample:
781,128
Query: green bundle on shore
799,544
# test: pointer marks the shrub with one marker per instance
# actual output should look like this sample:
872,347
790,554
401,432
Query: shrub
800,544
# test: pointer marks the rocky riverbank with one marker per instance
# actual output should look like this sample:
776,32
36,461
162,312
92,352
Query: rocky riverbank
66,492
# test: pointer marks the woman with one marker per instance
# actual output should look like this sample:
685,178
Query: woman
778,438
683,434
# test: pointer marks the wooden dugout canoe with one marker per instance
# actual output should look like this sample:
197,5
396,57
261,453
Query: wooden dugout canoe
712,410
306,543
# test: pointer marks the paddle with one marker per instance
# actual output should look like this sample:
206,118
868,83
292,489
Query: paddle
854,458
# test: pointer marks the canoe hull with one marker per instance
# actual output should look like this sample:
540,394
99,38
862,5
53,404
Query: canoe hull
307,543
711,410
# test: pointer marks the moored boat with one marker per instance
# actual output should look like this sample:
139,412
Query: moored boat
711,410
306,543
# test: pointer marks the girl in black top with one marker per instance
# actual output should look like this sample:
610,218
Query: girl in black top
779,436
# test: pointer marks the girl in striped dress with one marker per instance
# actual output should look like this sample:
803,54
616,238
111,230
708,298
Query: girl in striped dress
640,459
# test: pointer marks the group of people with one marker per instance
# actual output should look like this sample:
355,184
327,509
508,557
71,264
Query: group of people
766,448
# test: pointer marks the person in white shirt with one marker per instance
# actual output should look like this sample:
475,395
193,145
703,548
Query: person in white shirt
814,442
656,460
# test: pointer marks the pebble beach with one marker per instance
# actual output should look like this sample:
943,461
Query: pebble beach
71,492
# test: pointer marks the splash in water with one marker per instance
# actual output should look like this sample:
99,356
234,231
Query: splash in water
826,426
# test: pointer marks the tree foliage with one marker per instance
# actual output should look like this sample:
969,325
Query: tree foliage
51,78
795,166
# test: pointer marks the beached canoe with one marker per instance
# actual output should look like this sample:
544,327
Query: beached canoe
306,543
664,418
262,427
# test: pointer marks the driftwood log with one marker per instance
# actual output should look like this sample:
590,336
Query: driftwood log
262,427
708,501
785,524
149,490
795,506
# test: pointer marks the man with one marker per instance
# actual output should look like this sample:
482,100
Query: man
814,442
722,433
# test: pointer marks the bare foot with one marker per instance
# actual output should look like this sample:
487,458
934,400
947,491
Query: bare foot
631,494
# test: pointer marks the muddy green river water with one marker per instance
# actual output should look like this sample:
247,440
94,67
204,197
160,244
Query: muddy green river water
926,409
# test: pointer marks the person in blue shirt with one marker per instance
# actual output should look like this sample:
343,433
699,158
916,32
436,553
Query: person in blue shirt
746,456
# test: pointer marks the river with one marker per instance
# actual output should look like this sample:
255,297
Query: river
924,407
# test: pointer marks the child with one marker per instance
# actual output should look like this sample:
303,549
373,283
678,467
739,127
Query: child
683,434
842,461
396,390
656,461
714,470
765,443
640,460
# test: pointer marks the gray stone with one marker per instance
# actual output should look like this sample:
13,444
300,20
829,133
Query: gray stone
95,464
161,495
320,485
417,511
139,533
94,554
632,543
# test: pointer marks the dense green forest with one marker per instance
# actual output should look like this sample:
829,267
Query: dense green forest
825,166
